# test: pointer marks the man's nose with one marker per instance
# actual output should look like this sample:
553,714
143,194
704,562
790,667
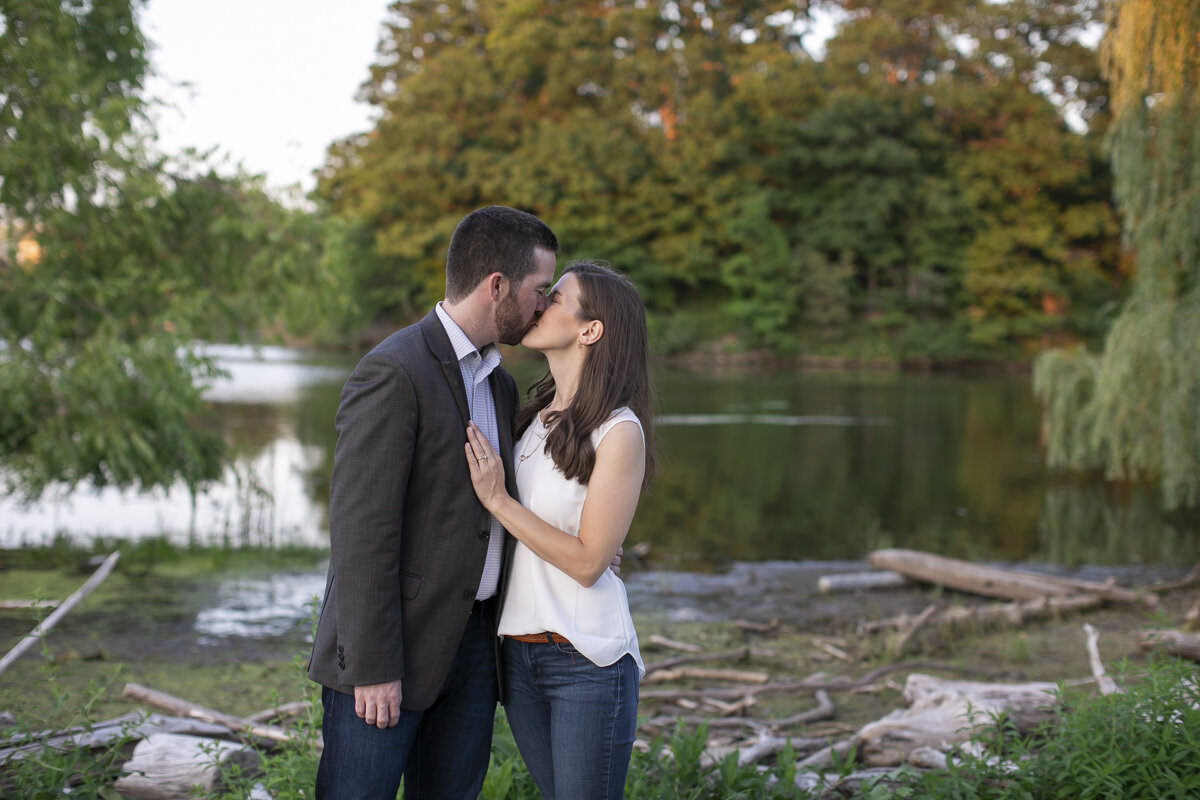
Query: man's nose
541,303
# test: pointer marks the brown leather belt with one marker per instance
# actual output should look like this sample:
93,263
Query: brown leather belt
540,638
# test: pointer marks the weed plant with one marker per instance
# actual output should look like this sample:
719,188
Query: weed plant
45,772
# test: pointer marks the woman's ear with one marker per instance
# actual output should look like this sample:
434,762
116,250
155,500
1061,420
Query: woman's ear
592,333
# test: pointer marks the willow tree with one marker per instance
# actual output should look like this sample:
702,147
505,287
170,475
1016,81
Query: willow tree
1134,408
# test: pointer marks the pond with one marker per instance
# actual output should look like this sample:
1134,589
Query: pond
754,467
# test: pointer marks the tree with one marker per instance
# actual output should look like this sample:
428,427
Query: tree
700,147
1133,409
128,261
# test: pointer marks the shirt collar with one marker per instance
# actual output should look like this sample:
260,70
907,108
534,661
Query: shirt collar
463,349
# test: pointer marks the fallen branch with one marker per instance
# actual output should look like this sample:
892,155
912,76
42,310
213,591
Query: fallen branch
49,622
1106,684
823,758
1191,579
9,605
285,711
1009,584
757,627
1011,614
698,673
856,581
729,655
810,684
906,635
824,710
135,725
833,650
671,644
731,709
182,708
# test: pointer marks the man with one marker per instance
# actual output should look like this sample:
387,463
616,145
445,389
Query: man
406,647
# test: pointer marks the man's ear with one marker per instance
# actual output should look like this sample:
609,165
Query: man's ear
495,286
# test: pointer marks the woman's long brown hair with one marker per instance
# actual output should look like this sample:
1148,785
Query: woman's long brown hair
616,373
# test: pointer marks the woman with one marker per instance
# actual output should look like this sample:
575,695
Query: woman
571,659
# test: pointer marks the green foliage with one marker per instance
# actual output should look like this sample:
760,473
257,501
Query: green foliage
52,772
762,277
1139,743
703,150
115,263
1133,410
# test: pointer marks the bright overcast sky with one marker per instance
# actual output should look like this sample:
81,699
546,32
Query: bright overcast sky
272,82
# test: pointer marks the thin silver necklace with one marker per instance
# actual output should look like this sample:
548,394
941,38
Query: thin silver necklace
534,440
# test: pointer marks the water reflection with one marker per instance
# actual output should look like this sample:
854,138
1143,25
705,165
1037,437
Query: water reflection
259,607
785,466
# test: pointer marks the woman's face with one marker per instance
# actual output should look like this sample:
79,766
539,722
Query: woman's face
560,324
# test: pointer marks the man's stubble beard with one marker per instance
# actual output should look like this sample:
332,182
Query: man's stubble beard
510,326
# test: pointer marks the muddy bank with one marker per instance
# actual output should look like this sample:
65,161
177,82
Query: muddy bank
787,591
231,641
211,618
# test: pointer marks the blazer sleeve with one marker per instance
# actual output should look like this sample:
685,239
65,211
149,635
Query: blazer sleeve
376,426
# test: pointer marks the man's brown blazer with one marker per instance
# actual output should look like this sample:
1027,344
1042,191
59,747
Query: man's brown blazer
408,536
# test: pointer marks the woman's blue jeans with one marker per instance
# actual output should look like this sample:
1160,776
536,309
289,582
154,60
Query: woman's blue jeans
573,722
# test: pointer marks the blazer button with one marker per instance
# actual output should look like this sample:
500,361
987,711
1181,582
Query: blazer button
485,535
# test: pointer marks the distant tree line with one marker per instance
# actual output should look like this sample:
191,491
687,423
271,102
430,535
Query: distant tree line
928,182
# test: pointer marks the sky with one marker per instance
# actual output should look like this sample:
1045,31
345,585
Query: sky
270,83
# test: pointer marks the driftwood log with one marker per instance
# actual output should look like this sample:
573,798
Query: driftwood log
136,725
1177,643
934,621
1008,584
857,581
942,713
182,708
172,766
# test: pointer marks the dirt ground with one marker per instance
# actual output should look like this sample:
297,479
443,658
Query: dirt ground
155,628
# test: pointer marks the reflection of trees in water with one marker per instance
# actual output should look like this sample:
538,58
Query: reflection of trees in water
314,427
260,436
1099,524
956,470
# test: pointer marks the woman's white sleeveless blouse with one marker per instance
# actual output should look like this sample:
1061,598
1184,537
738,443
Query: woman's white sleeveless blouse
542,597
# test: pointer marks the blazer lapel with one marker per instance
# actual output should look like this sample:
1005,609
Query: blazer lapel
443,351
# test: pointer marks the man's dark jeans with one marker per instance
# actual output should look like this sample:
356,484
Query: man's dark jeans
442,752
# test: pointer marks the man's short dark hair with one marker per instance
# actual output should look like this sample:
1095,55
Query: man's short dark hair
494,239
